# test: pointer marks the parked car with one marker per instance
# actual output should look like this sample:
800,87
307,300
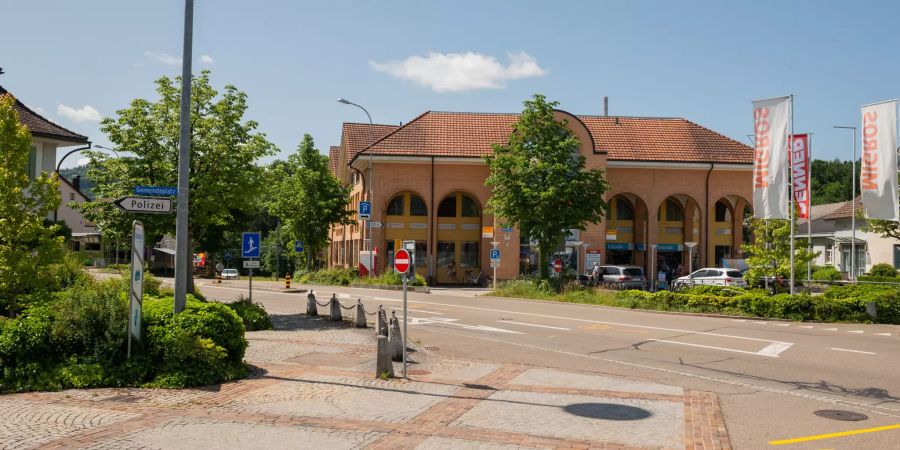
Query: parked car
622,277
229,274
713,276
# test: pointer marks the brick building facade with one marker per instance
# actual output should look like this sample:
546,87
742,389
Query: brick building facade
671,181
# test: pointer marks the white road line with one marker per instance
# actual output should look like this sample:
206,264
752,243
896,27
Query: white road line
738,320
830,329
424,312
882,334
760,322
783,324
774,349
805,326
856,331
535,325
853,351
771,350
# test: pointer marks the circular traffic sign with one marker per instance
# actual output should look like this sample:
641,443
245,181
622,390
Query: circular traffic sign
557,266
220,267
401,261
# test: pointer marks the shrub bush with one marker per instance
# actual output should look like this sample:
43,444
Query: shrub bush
332,277
253,315
525,288
827,273
878,279
393,279
883,270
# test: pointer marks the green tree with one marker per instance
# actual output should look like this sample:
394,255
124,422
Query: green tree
225,180
539,180
307,198
832,181
770,252
27,245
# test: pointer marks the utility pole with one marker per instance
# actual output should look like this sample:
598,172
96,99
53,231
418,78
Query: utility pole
183,259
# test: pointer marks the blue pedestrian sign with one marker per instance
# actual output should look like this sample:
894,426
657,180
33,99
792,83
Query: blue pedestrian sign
365,210
156,191
495,254
250,244
298,246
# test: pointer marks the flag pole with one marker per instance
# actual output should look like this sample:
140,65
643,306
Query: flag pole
791,181
809,210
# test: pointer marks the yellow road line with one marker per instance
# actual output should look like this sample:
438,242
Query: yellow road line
834,435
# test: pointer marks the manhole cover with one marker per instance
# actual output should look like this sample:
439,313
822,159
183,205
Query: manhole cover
836,414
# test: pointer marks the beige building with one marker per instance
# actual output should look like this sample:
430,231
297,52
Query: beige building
671,181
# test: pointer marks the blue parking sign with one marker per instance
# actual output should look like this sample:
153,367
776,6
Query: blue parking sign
298,246
365,210
495,254
250,244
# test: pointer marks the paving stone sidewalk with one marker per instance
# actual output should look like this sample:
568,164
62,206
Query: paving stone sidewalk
313,387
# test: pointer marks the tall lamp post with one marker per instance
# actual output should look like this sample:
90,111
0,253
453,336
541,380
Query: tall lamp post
852,207
183,264
366,231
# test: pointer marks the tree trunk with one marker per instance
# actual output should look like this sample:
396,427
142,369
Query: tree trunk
544,270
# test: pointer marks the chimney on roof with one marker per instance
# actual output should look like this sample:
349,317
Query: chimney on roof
605,105
76,183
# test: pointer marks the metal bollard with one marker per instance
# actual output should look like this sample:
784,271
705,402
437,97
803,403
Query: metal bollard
311,308
381,326
287,281
360,314
383,365
396,339
219,279
334,314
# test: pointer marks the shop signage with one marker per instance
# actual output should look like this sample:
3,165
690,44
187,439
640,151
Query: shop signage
617,246
640,247
418,226
469,226
668,247
591,257
506,229
611,236
446,226
487,232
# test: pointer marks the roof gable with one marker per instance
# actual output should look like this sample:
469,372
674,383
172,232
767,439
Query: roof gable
42,127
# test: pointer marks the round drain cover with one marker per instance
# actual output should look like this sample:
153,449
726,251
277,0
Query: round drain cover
836,414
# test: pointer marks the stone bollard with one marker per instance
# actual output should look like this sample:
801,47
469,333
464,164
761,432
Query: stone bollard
311,307
287,281
383,365
871,310
334,314
381,327
396,339
360,314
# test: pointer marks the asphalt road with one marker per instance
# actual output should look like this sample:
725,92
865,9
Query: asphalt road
771,376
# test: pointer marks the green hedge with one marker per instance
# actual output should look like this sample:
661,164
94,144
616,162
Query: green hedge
253,315
883,270
392,279
878,279
827,273
331,277
76,338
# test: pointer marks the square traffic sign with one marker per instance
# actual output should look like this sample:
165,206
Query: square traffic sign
365,210
250,244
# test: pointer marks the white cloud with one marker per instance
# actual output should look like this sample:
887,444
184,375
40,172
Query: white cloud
83,162
86,113
164,58
38,110
455,72
206,59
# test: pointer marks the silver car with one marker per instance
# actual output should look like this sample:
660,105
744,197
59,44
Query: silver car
230,274
713,276
622,277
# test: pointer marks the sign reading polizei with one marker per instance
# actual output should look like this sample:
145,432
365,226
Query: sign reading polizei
146,205
401,261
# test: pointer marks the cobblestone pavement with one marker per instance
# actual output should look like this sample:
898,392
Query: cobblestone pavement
314,388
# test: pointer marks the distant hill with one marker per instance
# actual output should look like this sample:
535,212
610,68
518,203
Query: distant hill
87,186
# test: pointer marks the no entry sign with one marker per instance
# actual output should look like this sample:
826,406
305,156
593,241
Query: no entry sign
557,266
401,261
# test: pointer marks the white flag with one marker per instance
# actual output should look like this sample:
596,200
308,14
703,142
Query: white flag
770,160
878,177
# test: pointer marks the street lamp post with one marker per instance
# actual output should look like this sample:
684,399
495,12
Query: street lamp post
183,263
366,231
852,207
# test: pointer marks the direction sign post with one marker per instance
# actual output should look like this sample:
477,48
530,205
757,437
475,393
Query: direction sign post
495,261
402,261
249,250
136,293
374,224
145,205
156,191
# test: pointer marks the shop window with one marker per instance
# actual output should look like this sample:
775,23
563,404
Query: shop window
445,252
421,254
447,208
468,257
469,207
674,212
624,211
417,206
723,213
395,207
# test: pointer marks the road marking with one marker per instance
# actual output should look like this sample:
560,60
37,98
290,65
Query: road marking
449,321
760,322
738,320
783,324
710,347
425,312
854,351
856,331
834,435
882,334
774,349
830,329
534,325
805,326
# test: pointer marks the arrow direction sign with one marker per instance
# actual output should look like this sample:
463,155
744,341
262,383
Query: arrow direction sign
145,205
373,224
156,191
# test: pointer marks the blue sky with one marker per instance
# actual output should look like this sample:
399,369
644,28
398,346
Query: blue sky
705,61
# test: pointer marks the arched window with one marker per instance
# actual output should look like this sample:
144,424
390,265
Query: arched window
723,212
469,207
624,211
395,207
674,211
417,206
447,208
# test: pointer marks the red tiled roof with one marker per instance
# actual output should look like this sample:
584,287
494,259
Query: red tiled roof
622,138
39,126
357,136
845,211
334,153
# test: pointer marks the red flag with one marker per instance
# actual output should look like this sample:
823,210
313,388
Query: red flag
800,173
